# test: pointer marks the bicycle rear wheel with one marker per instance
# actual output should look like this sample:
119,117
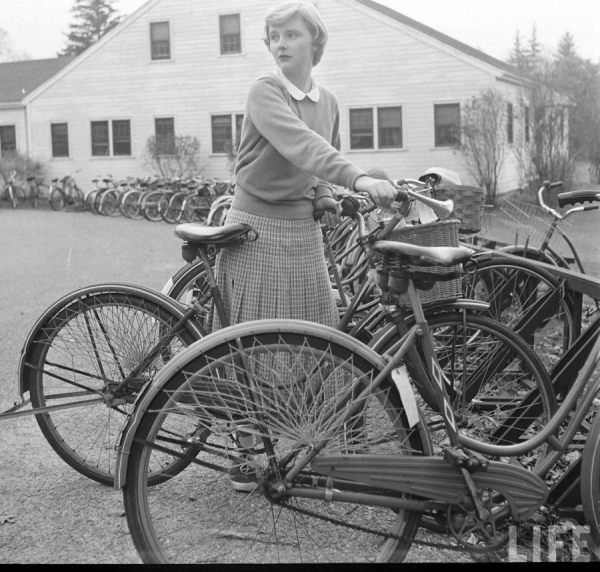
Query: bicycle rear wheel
151,207
81,351
298,371
196,208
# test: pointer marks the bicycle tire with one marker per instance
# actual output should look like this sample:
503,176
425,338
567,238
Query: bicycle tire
90,200
130,205
199,517
57,200
77,199
196,208
163,205
502,373
514,286
150,206
590,484
33,194
98,201
191,282
109,203
218,216
176,205
17,196
99,334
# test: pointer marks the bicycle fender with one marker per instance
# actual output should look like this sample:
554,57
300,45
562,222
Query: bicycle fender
530,253
434,479
36,333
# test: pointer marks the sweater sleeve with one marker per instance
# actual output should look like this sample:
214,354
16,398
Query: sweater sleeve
294,140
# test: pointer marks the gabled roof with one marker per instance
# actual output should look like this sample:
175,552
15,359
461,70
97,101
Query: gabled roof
470,51
18,79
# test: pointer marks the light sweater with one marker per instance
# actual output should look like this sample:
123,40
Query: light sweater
288,148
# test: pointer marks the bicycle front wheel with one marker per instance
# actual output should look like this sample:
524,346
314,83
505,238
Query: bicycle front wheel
57,200
526,299
299,373
499,389
82,351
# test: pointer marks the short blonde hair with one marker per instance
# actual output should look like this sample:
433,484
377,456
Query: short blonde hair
283,12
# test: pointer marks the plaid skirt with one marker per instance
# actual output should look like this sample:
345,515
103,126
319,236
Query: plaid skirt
283,274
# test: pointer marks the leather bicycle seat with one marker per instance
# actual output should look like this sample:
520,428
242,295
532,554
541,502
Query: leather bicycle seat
425,255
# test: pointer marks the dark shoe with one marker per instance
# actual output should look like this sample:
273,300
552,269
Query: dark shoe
243,478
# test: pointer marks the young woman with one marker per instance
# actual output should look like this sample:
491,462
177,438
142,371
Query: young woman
287,158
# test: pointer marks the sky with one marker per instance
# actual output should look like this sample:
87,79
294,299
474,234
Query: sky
38,27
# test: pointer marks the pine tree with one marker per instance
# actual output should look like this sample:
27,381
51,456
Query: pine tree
91,20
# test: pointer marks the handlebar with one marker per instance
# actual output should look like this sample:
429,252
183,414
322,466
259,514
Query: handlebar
569,198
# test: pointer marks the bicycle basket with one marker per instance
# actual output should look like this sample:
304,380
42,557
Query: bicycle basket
439,233
468,205
529,222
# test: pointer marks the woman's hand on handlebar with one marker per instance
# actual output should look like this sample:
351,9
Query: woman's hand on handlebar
382,192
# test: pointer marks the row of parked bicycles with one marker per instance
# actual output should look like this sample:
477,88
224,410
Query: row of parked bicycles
173,201
460,378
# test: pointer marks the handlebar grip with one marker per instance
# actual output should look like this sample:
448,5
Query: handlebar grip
591,207
350,206
550,185
577,197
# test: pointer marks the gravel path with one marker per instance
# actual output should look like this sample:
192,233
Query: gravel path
48,512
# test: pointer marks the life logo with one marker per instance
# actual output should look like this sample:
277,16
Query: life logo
440,379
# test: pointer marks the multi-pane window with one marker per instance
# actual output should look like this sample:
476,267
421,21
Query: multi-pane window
230,32
224,140
447,124
389,123
101,138
60,139
121,136
527,125
361,128
8,139
160,40
509,123
164,130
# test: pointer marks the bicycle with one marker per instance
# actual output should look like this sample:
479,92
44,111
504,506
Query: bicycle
92,341
35,192
13,192
85,360
331,420
533,224
66,193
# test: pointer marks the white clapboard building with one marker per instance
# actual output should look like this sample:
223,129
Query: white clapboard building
183,67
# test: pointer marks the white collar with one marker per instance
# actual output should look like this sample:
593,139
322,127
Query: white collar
297,93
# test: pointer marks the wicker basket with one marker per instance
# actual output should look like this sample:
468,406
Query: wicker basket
468,204
433,234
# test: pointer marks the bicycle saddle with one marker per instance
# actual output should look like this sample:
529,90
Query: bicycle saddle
201,234
425,255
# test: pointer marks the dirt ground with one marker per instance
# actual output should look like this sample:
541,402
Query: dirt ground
48,512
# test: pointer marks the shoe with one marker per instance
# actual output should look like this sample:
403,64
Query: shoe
243,478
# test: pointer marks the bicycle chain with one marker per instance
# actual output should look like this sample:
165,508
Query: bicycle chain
359,528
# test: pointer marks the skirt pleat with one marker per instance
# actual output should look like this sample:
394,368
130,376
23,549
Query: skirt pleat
283,274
